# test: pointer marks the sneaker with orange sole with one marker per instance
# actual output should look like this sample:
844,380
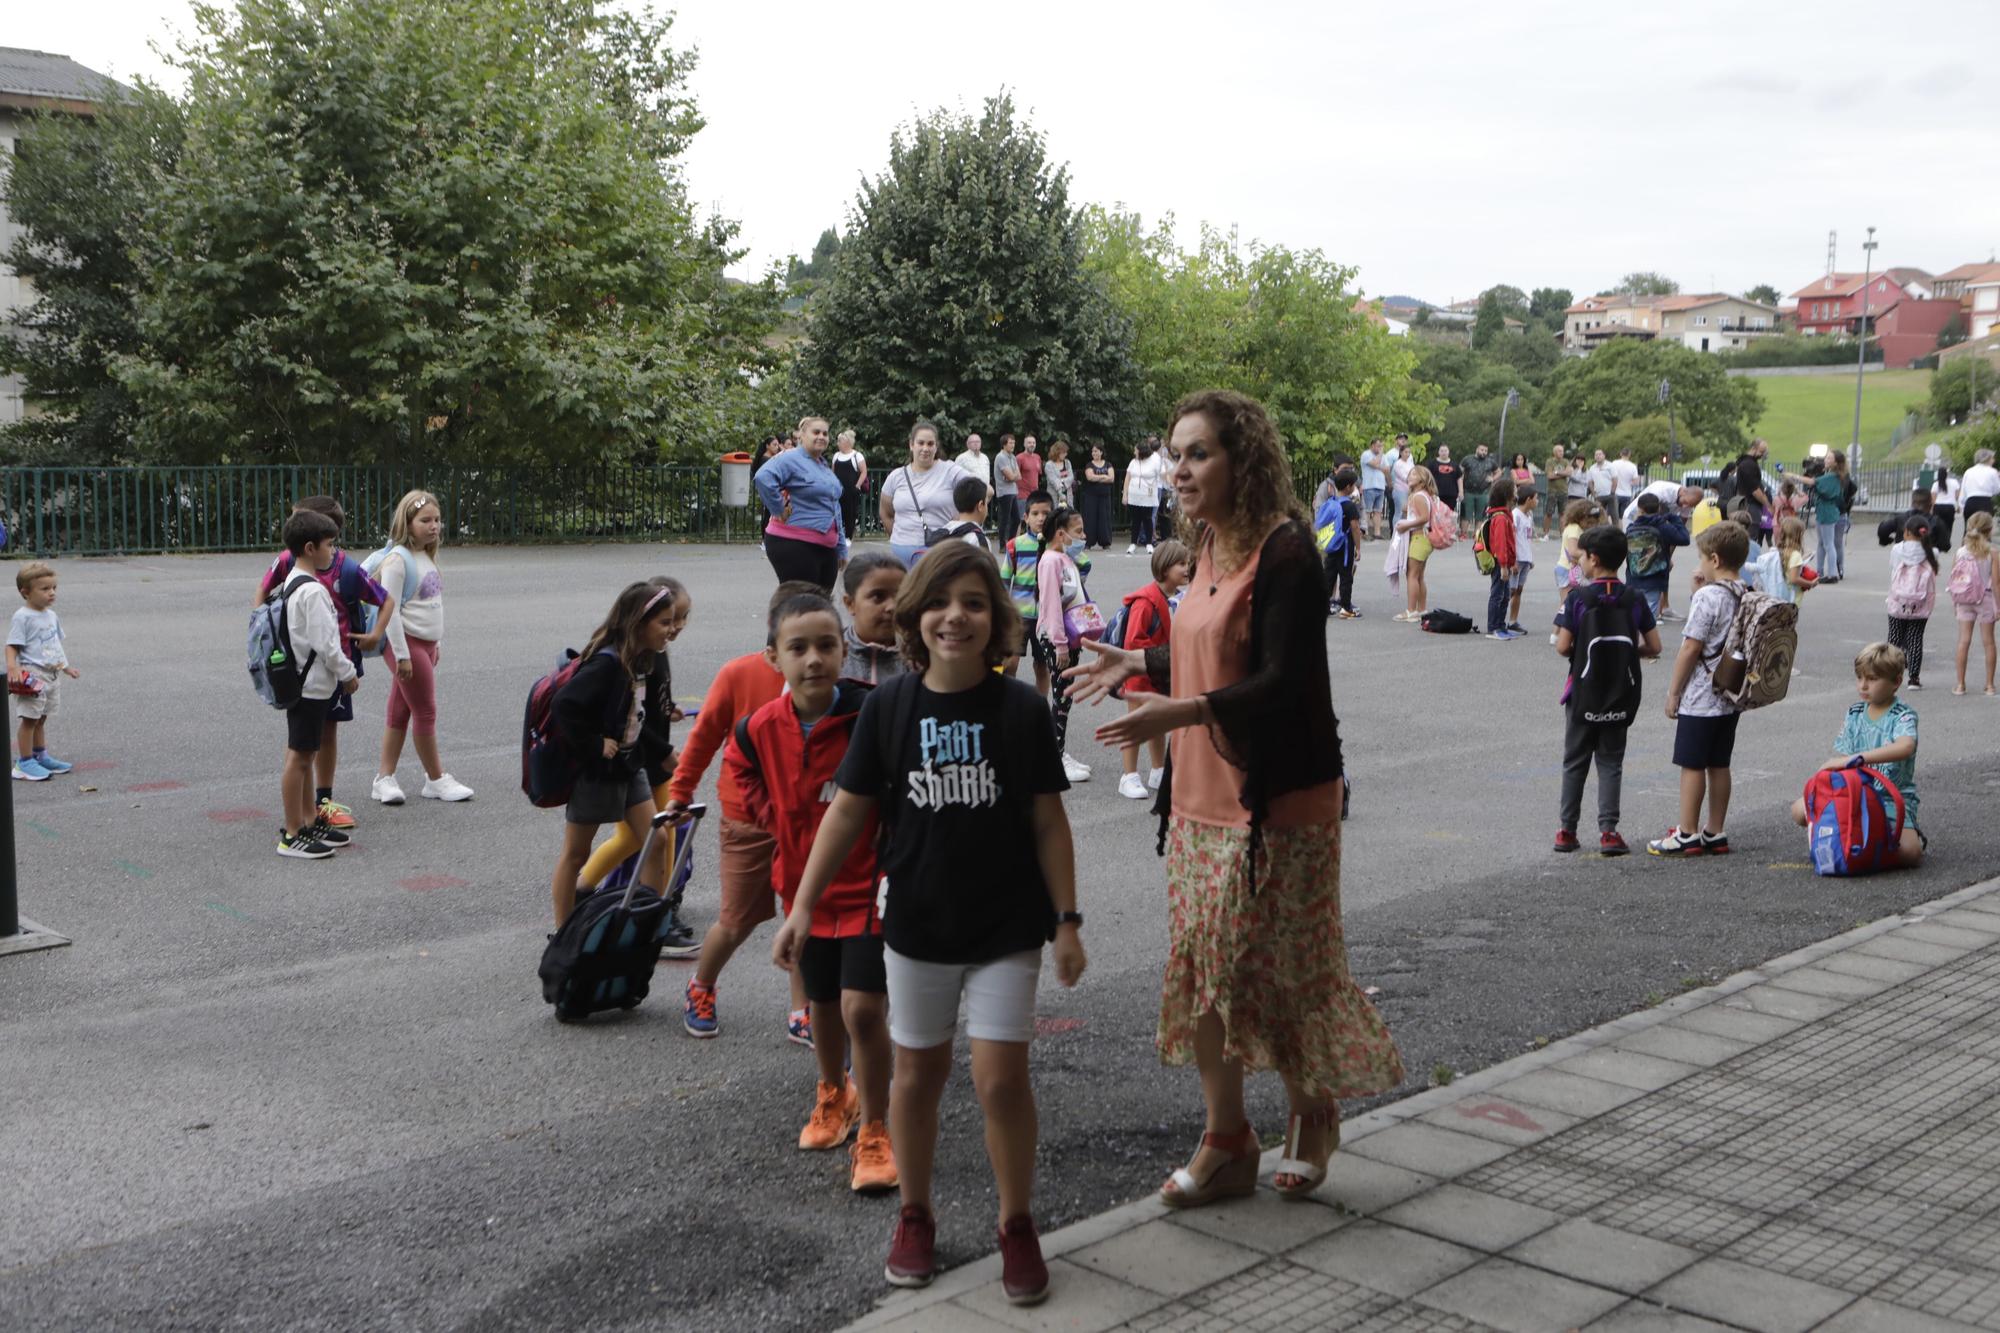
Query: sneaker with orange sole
874,1162
836,1110
336,815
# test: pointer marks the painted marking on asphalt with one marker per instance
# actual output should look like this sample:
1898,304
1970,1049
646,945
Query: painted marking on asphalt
158,786
1500,1113
43,829
135,871
1048,1027
229,912
425,883
94,765
238,816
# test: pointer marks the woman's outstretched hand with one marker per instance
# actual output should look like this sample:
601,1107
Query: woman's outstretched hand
1156,715
1095,677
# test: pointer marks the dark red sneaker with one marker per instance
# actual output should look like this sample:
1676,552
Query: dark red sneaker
912,1260
1612,844
1023,1275
1566,840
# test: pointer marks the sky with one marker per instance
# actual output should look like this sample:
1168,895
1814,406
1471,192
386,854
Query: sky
1438,148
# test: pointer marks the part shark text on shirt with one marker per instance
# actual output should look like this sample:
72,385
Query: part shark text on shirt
955,769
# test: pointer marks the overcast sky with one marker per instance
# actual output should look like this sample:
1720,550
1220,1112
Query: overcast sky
1439,148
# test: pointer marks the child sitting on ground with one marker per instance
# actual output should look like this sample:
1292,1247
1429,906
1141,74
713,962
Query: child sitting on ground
1705,723
1595,644
1149,623
314,630
784,757
1881,731
36,664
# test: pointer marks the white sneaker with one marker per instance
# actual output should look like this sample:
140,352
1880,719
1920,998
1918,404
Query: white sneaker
446,788
386,789
1149,548
1075,771
1133,547
1133,786
1153,778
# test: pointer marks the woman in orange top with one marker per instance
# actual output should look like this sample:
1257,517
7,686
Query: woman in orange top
1256,973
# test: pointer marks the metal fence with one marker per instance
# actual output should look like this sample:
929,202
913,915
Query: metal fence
135,510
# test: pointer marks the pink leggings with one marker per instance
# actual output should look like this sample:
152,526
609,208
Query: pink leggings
413,702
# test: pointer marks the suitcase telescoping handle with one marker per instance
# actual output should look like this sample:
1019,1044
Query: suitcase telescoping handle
682,849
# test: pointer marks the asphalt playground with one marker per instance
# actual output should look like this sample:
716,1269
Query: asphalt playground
259,1093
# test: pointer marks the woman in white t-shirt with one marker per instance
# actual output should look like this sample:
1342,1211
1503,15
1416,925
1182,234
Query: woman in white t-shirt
1142,494
918,496
1947,493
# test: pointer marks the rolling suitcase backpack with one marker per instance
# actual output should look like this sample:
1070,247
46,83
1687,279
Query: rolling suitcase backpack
604,954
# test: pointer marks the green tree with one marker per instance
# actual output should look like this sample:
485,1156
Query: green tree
1648,283
1281,325
1513,301
1547,304
1489,324
1763,293
960,294
77,190
1953,388
1646,437
1585,398
1534,354
447,230
1470,424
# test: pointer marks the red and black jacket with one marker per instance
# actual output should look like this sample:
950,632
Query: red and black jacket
786,778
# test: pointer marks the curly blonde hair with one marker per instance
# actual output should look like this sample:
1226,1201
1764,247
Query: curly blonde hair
1260,476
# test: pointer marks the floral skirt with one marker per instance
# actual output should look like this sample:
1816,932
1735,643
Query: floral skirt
1271,965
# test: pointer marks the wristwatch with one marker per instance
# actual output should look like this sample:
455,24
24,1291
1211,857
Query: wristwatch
1069,919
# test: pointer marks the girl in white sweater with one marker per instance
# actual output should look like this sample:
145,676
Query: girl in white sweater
414,534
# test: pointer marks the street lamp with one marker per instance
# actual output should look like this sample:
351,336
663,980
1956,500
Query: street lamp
1861,357
1513,397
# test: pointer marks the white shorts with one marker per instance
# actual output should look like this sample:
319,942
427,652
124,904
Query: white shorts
40,706
999,999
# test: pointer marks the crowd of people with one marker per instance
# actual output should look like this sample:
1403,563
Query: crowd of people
879,730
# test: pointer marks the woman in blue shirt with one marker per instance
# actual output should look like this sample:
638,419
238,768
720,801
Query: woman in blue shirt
804,539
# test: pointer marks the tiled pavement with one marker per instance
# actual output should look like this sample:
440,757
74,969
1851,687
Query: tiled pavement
1811,1145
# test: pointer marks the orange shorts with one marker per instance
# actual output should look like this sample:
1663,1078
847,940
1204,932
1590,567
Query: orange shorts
748,899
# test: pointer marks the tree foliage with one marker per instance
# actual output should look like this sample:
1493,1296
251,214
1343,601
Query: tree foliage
451,230
1547,304
1281,325
1513,301
77,189
1645,282
1490,324
1587,397
1960,385
1763,293
1470,424
959,294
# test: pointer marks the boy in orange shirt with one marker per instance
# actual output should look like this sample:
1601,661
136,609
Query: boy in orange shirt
744,685
784,758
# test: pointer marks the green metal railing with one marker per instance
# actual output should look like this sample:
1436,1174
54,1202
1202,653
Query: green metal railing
135,510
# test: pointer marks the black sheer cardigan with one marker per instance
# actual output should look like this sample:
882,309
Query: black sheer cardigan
1277,723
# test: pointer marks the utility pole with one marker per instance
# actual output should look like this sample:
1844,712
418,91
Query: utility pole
1861,357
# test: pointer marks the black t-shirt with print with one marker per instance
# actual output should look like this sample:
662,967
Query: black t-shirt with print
965,884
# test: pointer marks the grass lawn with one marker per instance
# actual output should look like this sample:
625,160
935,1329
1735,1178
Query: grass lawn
1804,409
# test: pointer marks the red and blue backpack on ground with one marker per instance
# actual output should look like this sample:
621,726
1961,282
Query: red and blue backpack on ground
1854,820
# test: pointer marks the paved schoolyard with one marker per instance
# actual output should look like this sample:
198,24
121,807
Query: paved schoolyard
262,1091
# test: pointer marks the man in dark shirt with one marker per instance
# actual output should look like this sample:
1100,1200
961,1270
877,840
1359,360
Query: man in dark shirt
1478,478
1447,475
1750,490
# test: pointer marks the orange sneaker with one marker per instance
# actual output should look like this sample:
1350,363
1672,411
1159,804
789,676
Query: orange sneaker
835,1111
336,815
874,1163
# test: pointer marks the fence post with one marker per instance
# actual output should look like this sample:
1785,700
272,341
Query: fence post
17,935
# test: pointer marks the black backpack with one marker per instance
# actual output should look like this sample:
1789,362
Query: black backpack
1604,658
1445,622
604,955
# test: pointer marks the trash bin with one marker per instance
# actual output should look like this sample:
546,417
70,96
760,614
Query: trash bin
736,480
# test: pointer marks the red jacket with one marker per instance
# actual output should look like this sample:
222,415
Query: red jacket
787,784
744,685
1149,624
1500,540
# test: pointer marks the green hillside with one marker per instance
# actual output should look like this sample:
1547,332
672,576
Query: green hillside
1804,409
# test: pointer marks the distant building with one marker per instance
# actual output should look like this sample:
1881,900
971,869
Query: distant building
1982,302
1715,322
1833,304
33,82
1376,315
1908,330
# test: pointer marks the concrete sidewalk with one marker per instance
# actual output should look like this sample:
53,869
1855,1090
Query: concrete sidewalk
1811,1145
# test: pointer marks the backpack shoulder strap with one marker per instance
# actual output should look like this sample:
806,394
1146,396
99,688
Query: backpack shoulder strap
893,717
744,744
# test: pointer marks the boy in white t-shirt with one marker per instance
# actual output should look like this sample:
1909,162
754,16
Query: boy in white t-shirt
36,664
1524,542
314,629
1705,723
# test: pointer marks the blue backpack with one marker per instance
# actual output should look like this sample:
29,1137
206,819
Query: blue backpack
1854,820
1330,526
369,614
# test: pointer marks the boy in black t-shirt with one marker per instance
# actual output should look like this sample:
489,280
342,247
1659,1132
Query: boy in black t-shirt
1603,629
978,873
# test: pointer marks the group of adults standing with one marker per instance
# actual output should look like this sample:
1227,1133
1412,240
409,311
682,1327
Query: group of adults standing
1256,974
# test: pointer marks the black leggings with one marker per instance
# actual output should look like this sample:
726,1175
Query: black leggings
1057,660
793,559
1097,519
1142,524
1909,636
850,512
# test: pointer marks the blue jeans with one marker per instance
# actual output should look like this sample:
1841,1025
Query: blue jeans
1829,550
1652,597
1496,601
908,554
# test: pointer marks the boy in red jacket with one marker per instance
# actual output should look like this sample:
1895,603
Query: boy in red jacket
1499,539
783,758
